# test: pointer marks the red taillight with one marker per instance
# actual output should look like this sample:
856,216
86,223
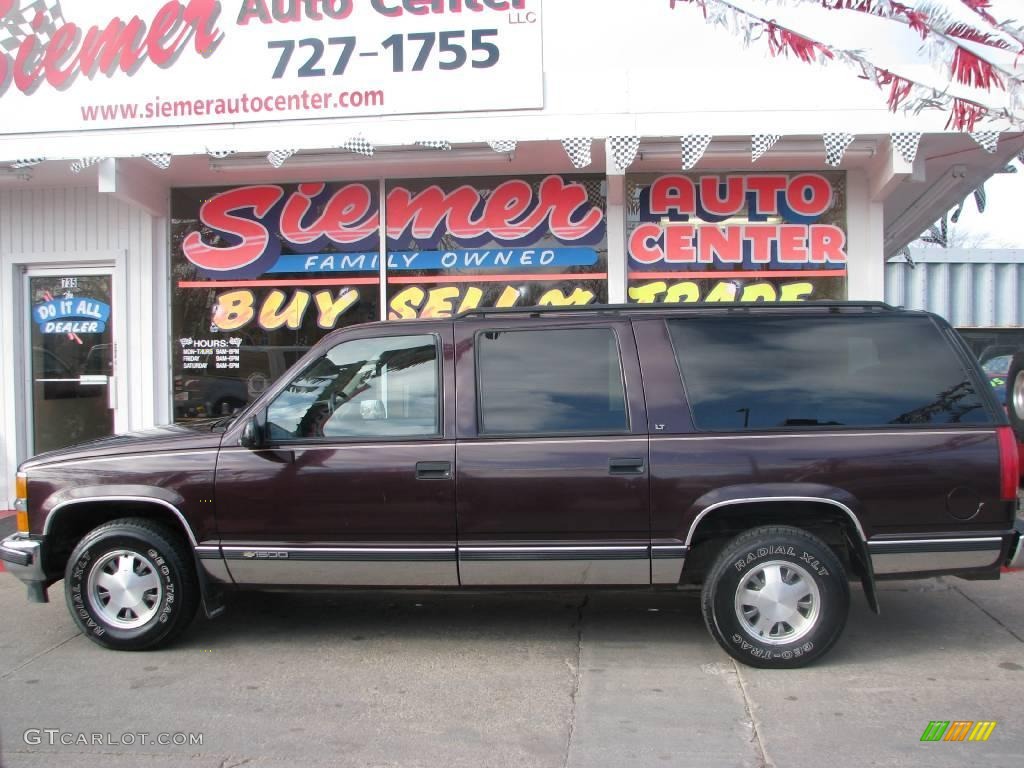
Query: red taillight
1009,471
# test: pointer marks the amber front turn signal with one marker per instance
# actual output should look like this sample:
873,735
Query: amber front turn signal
21,502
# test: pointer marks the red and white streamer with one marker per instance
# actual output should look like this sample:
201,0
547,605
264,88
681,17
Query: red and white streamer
965,57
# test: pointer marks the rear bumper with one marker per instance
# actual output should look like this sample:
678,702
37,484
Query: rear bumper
1017,549
22,557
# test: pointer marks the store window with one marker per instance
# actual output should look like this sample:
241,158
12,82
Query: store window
740,237
456,245
260,273
776,373
365,388
550,382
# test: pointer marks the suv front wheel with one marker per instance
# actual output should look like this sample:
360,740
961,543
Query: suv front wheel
776,597
131,585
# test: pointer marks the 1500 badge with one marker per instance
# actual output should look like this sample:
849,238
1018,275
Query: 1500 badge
265,555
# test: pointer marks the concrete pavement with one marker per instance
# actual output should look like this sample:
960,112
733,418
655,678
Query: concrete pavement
522,679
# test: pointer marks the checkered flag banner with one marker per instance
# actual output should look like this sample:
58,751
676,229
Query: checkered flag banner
761,143
693,148
278,157
27,162
980,198
442,145
80,165
937,234
906,144
503,145
578,150
161,160
359,145
219,154
988,140
18,23
623,150
835,147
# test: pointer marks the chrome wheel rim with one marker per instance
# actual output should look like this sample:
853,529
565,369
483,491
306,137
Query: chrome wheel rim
777,602
1017,398
125,589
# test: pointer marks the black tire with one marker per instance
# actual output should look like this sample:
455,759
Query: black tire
789,554
1015,395
140,553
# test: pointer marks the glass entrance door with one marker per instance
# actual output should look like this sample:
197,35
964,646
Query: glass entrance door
72,362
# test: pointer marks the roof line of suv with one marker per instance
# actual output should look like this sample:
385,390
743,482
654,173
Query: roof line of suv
832,306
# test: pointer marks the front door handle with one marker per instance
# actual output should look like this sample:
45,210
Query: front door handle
626,466
433,470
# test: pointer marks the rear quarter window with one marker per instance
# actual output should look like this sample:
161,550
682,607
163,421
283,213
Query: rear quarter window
759,373
550,381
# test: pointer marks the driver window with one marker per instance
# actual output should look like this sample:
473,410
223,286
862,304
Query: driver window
372,388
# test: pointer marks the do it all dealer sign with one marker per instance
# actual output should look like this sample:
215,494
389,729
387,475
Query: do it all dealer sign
78,65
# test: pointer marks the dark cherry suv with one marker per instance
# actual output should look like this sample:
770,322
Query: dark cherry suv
769,453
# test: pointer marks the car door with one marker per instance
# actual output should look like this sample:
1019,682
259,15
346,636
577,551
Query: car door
352,483
552,453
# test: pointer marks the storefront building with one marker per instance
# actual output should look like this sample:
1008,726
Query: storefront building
189,202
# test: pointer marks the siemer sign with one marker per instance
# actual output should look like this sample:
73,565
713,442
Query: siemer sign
77,65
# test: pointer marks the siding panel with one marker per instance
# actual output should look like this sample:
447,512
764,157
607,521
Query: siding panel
976,288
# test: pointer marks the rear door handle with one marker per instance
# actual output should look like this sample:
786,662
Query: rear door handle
433,470
628,466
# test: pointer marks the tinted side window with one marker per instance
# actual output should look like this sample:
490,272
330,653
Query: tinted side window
362,388
778,372
550,381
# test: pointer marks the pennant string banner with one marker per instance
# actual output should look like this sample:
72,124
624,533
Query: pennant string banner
761,143
693,148
624,150
959,56
906,145
578,150
503,145
278,157
835,147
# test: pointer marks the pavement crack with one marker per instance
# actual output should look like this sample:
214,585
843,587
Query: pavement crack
42,653
984,610
232,762
755,723
576,678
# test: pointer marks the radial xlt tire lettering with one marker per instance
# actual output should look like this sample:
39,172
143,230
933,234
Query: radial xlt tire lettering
776,597
131,585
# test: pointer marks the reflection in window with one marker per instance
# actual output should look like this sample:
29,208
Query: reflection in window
362,388
550,381
778,372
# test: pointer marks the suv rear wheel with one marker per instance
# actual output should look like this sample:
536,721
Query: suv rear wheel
130,585
1015,394
776,597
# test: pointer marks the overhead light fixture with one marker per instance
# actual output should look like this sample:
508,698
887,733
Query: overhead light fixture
382,157
14,175
811,148
908,224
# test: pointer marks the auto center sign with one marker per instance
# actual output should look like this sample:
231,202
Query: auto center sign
737,237
78,65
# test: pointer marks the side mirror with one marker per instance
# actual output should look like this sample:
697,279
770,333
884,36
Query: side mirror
252,435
